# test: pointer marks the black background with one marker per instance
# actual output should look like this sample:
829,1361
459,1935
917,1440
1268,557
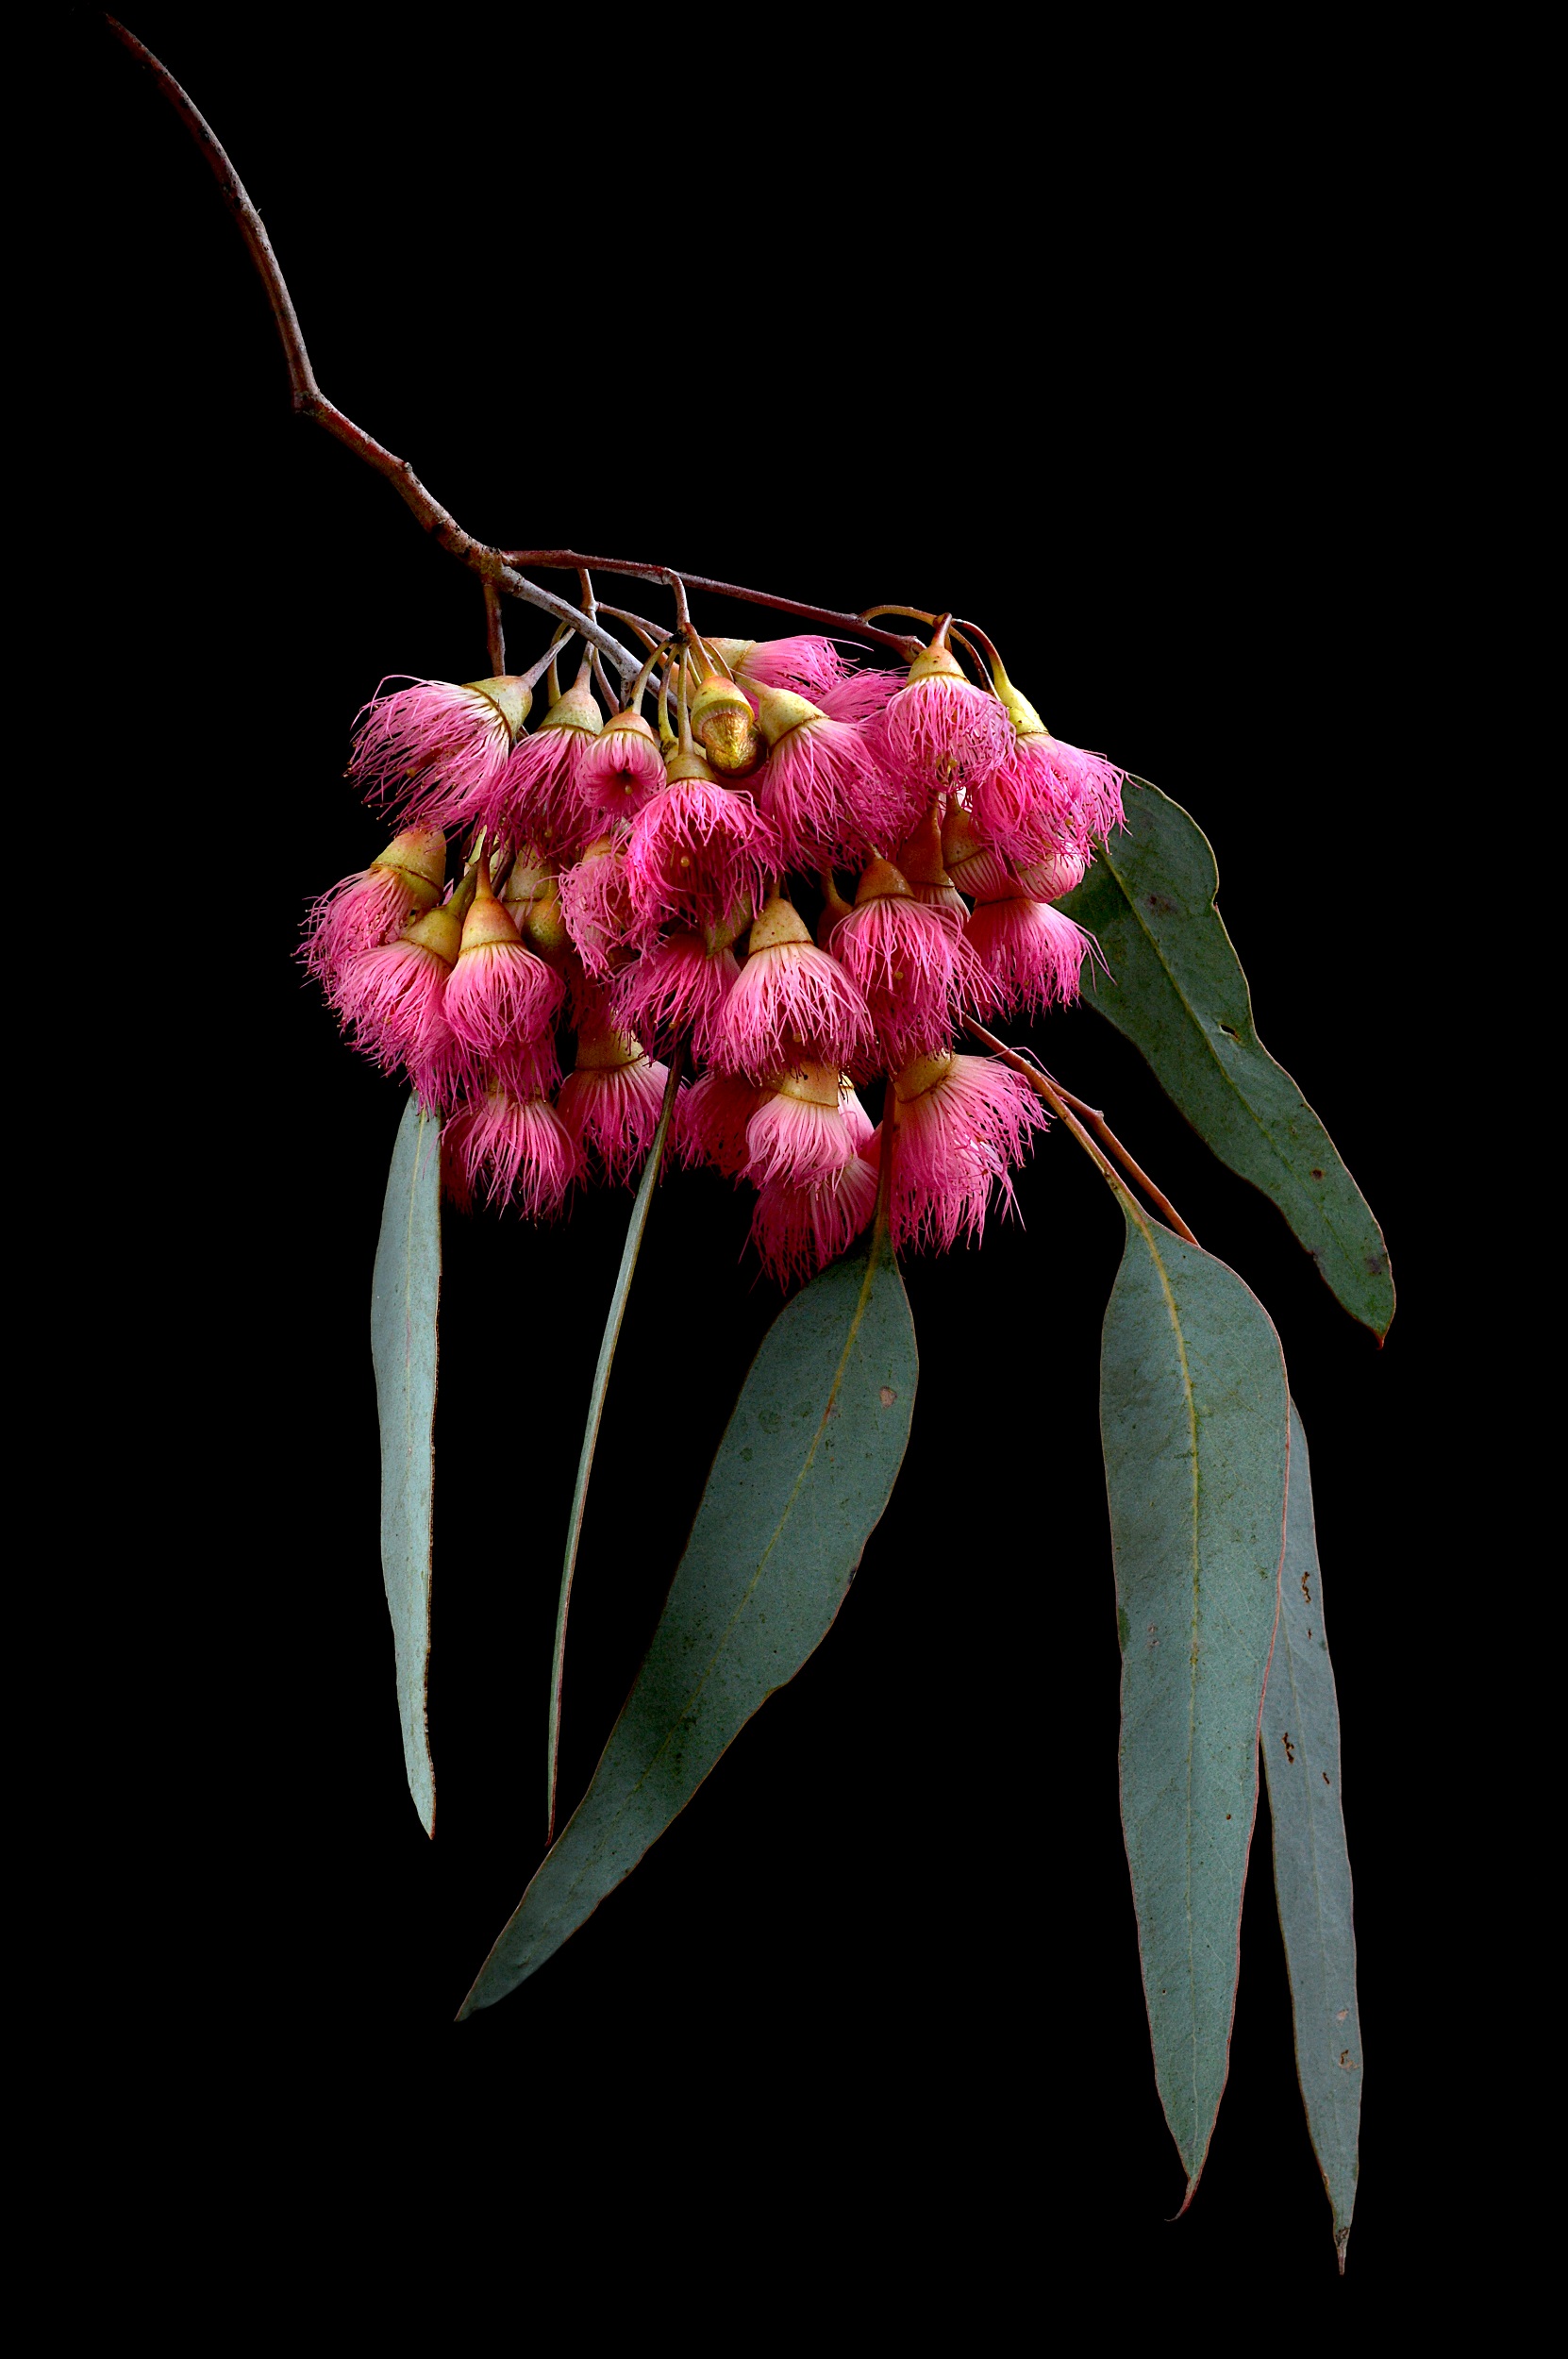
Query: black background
1134,391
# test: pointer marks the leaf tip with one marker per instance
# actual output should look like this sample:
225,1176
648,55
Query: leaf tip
1341,2244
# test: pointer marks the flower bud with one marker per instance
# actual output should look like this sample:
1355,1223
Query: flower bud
531,874
544,927
920,857
725,727
976,867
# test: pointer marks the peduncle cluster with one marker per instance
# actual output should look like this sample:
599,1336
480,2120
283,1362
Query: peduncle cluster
798,879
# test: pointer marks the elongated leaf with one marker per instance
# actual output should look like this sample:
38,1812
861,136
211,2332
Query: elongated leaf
1194,1421
405,1295
1177,989
1311,1865
803,1471
629,1251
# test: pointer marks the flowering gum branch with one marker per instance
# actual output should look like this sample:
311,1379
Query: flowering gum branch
308,401
1064,1103
497,568
829,618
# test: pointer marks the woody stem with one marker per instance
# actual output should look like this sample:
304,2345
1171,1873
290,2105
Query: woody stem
829,618
308,401
1062,1103
496,636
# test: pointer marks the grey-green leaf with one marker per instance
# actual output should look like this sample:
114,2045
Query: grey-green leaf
1194,1422
405,1296
1311,1865
1177,989
802,1476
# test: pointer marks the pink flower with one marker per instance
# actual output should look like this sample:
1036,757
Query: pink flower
1046,796
678,985
611,1100
528,1065
697,847
376,903
598,904
435,748
941,730
824,789
812,666
499,991
799,1231
913,964
620,769
1032,954
789,994
392,997
712,1119
535,798
862,695
963,1122
857,1121
799,1134
510,1148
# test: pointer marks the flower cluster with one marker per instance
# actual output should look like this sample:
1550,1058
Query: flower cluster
625,890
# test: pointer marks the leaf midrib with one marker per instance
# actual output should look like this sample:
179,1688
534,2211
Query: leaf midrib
683,1714
1297,1188
1192,1670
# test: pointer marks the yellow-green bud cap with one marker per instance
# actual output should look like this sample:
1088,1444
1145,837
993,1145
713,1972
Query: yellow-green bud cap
922,1074
418,856
778,921
512,699
577,710
689,765
487,920
439,930
814,1085
934,662
883,881
779,710
732,651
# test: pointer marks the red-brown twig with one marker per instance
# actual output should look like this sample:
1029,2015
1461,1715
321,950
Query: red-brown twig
497,568
496,636
310,402
1069,1107
846,626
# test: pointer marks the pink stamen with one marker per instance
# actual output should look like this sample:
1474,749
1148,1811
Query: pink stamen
1033,956
798,1230
958,1139
677,986
788,995
829,797
433,749
510,1148
696,849
916,969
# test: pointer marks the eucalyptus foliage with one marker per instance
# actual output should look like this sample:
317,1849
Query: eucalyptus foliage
678,887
